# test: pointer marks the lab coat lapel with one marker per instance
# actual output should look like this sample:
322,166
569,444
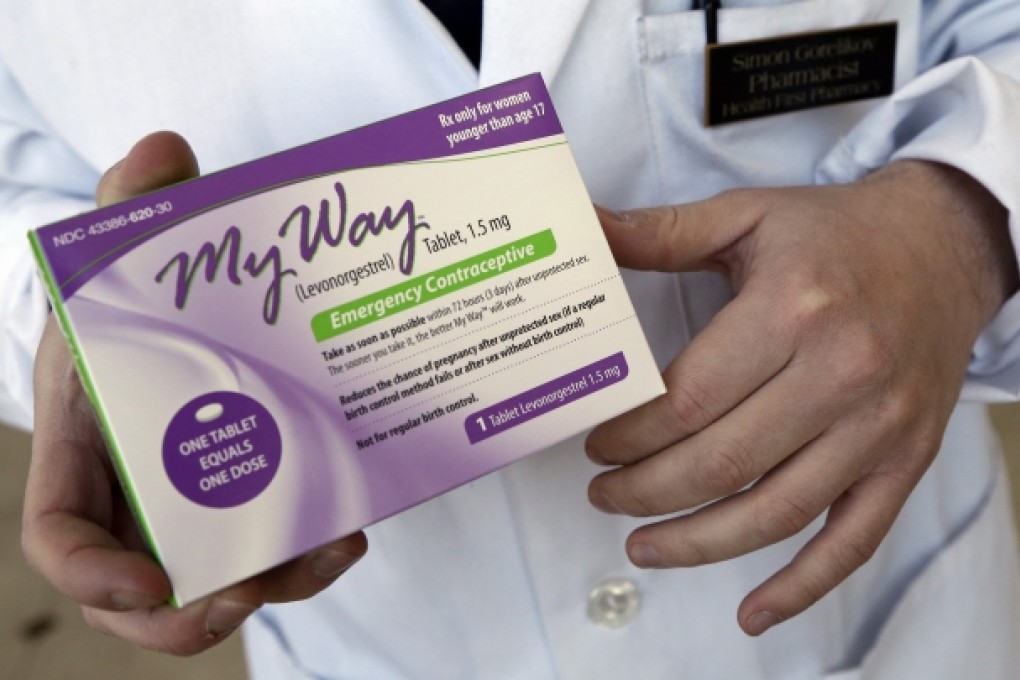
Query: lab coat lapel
524,36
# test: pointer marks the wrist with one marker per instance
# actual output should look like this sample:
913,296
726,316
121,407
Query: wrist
971,220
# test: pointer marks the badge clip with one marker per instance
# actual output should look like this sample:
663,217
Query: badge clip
711,8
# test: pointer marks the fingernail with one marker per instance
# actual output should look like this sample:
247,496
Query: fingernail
603,502
224,616
610,213
759,622
646,555
127,600
331,563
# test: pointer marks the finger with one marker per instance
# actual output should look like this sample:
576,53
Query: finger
185,631
728,455
69,416
716,371
854,528
203,624
86,563
310,574
157,160
746,344
779,506
682,237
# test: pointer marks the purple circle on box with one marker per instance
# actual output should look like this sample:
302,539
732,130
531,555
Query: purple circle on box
222,449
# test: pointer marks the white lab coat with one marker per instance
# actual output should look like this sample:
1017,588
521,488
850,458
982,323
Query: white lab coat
492,580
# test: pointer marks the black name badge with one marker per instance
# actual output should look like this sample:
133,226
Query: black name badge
760,78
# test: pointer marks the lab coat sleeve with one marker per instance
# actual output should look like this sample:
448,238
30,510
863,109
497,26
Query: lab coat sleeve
962,109
41,180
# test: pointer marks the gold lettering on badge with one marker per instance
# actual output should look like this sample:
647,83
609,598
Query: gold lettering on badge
789,73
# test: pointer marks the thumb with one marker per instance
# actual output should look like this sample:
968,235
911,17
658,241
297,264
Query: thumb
157,160
683,237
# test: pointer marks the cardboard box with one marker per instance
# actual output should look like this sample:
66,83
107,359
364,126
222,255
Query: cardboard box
292,349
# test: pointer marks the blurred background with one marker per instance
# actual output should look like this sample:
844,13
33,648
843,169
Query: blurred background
43,637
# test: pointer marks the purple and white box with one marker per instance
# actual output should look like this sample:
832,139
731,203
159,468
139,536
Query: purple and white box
287,351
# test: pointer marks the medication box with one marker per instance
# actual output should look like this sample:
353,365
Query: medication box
287,351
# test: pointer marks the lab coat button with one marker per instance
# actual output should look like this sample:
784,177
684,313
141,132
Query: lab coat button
614,603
